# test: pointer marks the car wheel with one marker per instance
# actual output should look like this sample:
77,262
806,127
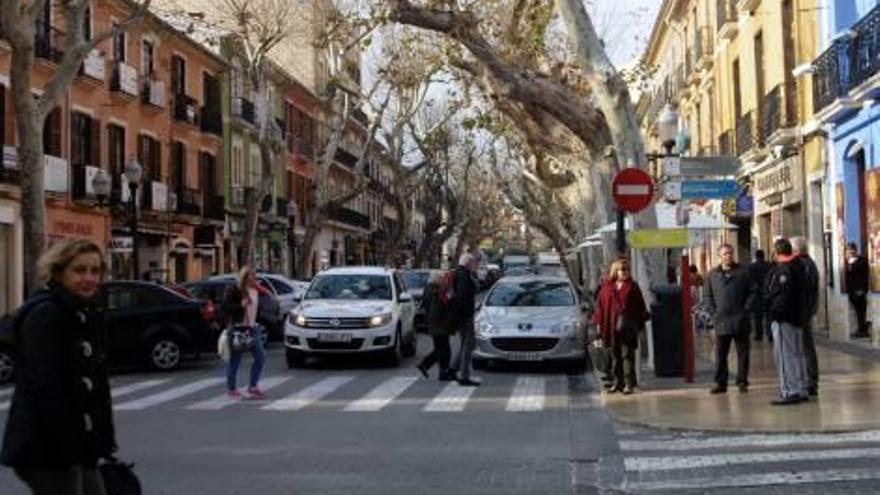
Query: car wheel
7,365
412,345
295,359
395,354
165,352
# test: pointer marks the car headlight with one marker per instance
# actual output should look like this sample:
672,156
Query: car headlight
569,328
380,320
485,329
298,319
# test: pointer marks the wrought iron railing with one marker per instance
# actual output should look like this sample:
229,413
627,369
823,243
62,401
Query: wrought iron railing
703,45
211,120
244,109
214,207
9,175
725,143
725,13
779,109
748,134
189,201
49,43
186,109
348,216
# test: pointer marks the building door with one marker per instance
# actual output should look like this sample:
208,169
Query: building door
180,265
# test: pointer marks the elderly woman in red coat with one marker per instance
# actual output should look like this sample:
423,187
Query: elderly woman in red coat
621,314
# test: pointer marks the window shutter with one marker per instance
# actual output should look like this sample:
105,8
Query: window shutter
96,143
76,138
157,160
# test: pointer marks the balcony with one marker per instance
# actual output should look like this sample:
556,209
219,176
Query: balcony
124,82
344,157
211,121
56,174
154,195
780,114
214,207
153,93
347,216
704,47
189,201
748,136
49,44
92,67
747,5
725,143
727,19
82,182
186,109
244,110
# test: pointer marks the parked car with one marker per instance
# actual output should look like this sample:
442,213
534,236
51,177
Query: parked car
269,310
531,318
7,350
150,324
288,291
352,310
415,282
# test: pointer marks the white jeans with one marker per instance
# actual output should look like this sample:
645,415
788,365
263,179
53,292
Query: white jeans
788,349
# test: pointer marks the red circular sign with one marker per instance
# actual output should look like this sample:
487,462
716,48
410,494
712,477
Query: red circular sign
633,190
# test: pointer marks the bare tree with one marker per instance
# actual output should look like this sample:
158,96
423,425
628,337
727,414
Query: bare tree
20,25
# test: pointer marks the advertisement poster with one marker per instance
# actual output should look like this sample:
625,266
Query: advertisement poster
841,236
872,198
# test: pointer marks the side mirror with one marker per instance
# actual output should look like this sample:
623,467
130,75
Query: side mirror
405,297
297,298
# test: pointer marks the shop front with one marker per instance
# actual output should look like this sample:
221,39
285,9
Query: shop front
778,202
12,254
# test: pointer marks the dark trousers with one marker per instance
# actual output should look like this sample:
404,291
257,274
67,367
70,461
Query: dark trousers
811,361
440,354
722,349
860,304
623,354
75,480
761,325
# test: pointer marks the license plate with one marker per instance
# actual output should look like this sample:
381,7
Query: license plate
523,356
334,337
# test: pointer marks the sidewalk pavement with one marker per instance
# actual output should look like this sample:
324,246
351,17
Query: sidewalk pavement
849,395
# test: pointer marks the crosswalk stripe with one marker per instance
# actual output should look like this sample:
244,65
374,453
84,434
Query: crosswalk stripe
131,388
670,463
168,395
380,396
310,394
752,441
454,397
757,479
528,394
222,401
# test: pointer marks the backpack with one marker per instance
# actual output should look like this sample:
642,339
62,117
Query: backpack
447,289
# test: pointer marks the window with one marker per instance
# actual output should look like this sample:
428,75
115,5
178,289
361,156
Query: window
178,165
119,46
87,23
280,287
208,171
120,298
52,133
367,287
150,158
85,140
116,150
211,88
536,293
147,55
178,75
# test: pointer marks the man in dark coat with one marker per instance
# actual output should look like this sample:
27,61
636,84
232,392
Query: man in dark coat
463,309
758,272
857,273
729,295
786,301
810,273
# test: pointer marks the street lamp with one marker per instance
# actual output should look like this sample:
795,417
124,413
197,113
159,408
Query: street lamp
101,185
133,174
667,128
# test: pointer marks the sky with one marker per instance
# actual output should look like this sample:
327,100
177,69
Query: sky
625,25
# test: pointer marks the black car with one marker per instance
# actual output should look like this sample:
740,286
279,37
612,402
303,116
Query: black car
268,312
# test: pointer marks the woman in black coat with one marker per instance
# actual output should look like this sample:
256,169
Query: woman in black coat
61,420
437,317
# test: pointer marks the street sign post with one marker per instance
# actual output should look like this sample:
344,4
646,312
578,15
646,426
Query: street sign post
709,189
703,166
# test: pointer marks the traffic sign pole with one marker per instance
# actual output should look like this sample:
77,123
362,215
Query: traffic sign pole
620,240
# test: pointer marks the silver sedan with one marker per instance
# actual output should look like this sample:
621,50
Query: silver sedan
531,318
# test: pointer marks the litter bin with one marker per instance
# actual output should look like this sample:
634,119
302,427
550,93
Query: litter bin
666,330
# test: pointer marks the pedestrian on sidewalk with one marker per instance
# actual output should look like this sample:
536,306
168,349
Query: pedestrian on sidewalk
857,274
436,316
758,270
621,315
810,273
787,308
463,308
241,304
602,346
61,418
730,293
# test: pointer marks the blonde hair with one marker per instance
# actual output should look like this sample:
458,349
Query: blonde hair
615,268
243,275
53,262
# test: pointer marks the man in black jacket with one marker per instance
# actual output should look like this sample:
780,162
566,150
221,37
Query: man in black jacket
787,308
857,273
758,272
463,308
810,273
729,292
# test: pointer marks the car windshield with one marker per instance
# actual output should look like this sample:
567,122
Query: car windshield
415,280
532,293
368,287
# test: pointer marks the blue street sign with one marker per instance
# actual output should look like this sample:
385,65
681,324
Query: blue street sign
709,189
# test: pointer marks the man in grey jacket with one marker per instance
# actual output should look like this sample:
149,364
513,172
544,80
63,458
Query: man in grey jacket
810,274
729,292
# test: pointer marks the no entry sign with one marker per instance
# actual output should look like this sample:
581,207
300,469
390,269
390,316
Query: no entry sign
633,190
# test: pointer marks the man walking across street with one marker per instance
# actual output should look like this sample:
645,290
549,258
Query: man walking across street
729,293
810,273
787,308
758,272
463,307
857,287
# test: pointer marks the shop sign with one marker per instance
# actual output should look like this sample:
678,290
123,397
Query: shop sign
778,186
65,228
56,174
160,196
121,245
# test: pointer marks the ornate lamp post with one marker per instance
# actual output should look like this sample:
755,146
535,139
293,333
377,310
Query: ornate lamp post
133,174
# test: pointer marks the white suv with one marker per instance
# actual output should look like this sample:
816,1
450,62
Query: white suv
352,310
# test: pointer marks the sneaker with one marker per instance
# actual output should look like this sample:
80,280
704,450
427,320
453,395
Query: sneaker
233,394
256,393
628,390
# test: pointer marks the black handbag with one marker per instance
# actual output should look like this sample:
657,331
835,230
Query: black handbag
119,477
241,338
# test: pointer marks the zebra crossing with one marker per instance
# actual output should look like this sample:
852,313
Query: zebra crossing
673,463
343,392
